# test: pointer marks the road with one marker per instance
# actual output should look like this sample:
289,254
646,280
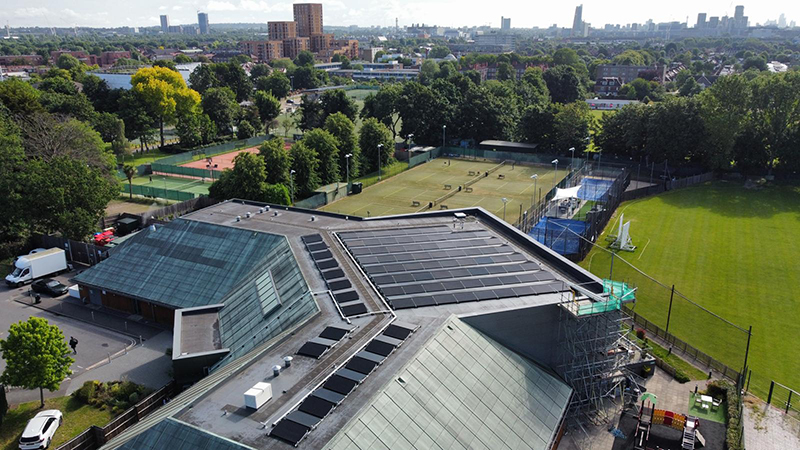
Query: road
96,347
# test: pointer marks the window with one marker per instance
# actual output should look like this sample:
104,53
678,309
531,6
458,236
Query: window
47,424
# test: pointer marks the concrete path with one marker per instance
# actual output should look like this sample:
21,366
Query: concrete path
768,428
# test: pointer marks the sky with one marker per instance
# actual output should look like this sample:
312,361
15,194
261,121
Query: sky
523,14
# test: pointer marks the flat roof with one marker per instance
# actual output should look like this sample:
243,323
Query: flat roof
200,331
218,407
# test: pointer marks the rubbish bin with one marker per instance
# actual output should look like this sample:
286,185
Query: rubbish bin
357,187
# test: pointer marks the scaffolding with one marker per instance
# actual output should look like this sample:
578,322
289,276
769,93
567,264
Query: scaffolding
594,352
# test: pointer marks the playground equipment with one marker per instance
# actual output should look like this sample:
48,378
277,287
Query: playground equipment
649,416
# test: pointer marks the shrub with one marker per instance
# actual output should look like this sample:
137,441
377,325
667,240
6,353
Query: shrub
681,377
640,333
133,398
87,393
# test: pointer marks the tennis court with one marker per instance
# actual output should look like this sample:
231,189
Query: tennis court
193,185
413,189
595,189
219,162
560,235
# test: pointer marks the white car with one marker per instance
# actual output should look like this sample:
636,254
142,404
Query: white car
40,430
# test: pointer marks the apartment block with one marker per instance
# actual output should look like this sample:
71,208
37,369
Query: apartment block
279,31
293,47
264,51
309,18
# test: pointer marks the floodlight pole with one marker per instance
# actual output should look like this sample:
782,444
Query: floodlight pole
555,174
669,311
535,178
505,201
747,350
444,134
572,149
291,183
380,149
347,158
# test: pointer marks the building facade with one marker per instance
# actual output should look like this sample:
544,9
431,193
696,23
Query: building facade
165,24
279,31
320,42
626,74
263,51
309,18
293,47
607,86
202,22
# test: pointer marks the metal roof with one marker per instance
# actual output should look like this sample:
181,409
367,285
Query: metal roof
176,435
182,264
461,390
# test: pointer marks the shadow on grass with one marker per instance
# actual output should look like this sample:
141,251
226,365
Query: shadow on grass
732,199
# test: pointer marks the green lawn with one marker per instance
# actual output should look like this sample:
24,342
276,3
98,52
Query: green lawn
712,414
77,418
426,183
730,249
143,157
193,185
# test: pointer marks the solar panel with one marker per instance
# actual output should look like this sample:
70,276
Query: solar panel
316,406
522,291
333,333
444,299
319,246
472,283
424,301
333,274
340,384
504,292
358,377
328,395
397,332
346,296
291,432
374,357
412,289
354,310
312,350
379,348
327,264
432,287
361,365
388,340
304,419
322,341
392,291
319,256
491,281
312,238
403,303
338,285
485,295
463,297
452,285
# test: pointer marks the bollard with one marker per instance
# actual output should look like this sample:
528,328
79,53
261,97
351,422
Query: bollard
126,325
109,357
140,340
92,316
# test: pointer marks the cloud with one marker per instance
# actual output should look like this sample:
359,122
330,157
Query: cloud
220,6
162,8
30,12
177,8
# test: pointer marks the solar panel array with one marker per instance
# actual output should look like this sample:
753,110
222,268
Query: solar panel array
345,297
328,339
426,266
297,424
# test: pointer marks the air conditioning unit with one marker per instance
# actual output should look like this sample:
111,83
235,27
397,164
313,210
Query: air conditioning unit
259,394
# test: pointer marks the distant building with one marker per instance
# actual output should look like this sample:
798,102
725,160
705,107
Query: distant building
701,20
497,42
26,60
309,18
109,58
263,51
202,22
505,23
228,55
577,22
279,31
369,53
626,74
320,42
81,56
607,86
165,23
293,47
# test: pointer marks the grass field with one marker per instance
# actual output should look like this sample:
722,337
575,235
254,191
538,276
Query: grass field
425,183
77,418
193,185
732,250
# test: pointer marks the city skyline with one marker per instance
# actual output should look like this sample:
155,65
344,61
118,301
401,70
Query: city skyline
51,13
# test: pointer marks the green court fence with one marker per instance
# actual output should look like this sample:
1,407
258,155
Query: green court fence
477,153
171,164
148,191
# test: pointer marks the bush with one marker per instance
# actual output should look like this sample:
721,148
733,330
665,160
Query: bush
87,392
640,333
116,395
681,377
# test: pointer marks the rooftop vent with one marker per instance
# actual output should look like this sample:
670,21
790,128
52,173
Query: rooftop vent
276,370
238,218
247,214
287,361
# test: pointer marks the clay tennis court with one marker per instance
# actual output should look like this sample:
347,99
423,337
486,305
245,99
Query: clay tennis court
222,162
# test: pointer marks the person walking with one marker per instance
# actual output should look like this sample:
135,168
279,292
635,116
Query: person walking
74,344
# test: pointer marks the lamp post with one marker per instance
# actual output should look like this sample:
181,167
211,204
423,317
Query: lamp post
555,174
347,158
408,139
535,178
572,150
380,149
505,201
444,134
291,183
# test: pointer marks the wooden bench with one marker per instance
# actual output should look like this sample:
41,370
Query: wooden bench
501,176
442,206
447,187
468,189
472,172
414,203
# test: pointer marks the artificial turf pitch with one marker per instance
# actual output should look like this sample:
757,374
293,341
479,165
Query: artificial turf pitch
426,182
733,250
192,185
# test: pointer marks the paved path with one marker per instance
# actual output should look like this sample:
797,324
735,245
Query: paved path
767,428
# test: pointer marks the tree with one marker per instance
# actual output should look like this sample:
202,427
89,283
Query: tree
277,83
129,171
533,89
305,164
428,71
68,62
639,89
245,130
196,129
246,181
566,56
58,85
420,110
343,130
48,137
134,113
439,52
19,97
336,100
487,115
690,88
630,58
537,126
259,70
725,109
564,84
755,62
220,105
372,135
13,221
269,108
505,71
571,127
36,355
109,126
203,78
304,58
167,64
277,161
77,106
307,77
180,58
384,106
165,94
324,144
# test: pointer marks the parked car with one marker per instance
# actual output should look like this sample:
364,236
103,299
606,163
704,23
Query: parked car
49,286
290,101
40,430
